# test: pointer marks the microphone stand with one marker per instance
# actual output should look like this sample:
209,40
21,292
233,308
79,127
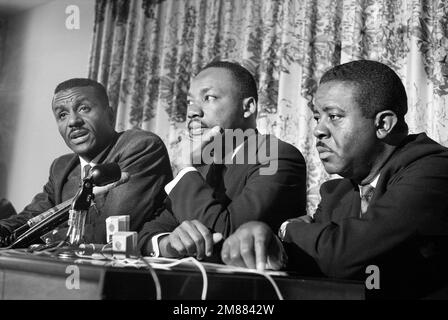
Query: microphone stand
101,180
78,212
77,217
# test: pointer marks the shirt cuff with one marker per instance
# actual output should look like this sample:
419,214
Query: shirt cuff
282,230
170,186
282,257
155,244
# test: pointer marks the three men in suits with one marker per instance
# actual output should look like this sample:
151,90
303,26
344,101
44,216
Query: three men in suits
390,209
209,200
86,123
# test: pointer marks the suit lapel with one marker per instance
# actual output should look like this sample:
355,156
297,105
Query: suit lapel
205,170
347,202
67,179
110,153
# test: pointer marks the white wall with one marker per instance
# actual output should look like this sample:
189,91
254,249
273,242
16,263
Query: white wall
40,53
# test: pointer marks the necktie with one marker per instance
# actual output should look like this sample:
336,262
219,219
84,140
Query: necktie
214,175
86,171
215,179
366,195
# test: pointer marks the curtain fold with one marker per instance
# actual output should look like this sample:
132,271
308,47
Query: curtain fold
3,26
5,114
146,51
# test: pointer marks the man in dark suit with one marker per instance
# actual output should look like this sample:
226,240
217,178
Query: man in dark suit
245,176
86,123
6,209
387,215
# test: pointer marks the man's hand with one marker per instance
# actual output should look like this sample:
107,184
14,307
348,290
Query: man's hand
252,245
191,238
191,147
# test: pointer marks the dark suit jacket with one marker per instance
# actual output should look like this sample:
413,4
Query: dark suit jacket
140,153
6,209
243,195
403,232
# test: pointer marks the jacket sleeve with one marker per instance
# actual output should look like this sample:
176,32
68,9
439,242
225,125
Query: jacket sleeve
272,198
163,222
412,203
146,160
40,203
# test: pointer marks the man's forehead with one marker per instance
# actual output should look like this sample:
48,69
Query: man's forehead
336,95
335,90
73,94
213,77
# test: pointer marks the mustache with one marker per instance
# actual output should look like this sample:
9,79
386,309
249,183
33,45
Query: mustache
77,130
203,125
322,145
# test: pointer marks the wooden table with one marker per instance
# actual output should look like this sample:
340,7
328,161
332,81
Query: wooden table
27,276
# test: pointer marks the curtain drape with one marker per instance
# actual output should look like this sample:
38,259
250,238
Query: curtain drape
146,51
3,25
5,127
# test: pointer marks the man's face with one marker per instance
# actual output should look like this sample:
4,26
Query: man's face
346,140
83,120
214,99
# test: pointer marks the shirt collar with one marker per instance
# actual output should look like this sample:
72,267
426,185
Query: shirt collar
373,183
92,163
235,151
238,147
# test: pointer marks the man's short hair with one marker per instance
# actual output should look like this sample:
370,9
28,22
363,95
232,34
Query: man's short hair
84,82
378,87
244,79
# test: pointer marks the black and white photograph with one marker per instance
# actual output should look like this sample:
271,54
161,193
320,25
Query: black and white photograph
240,152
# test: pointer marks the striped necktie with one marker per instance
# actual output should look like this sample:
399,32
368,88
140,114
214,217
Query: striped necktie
366,193
86,171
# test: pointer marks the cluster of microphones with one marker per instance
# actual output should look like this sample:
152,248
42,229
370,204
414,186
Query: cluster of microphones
101,179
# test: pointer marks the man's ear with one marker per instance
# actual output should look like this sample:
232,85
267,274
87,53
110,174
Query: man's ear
249,107
385,121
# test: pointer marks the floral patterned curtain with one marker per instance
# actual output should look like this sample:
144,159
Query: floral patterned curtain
146,51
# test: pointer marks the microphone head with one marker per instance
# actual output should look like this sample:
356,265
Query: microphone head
105,173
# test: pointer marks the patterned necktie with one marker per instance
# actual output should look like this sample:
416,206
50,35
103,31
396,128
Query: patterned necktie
86,171
366,195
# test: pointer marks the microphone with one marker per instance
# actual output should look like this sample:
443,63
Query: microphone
104,177
100,189
65,206
104,174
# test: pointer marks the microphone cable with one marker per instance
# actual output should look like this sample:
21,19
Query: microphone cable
196,263
269,278
107,252
205,277
155,278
